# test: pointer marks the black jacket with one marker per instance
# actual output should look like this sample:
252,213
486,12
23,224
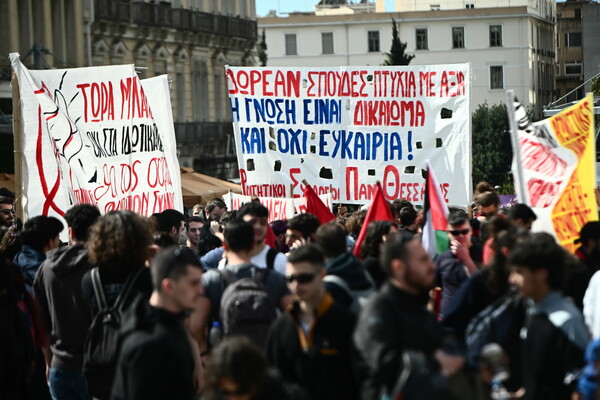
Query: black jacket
393,321
64,311
155,360
321,362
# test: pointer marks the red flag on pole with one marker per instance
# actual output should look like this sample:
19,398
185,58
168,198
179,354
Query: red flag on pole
315,206
379,210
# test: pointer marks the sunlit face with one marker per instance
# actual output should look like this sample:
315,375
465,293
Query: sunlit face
260,226
193,232
305,280
7,214
187,290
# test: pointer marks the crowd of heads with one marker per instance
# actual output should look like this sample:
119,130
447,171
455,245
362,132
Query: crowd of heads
172,244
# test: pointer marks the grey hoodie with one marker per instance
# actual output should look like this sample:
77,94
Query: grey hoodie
65,313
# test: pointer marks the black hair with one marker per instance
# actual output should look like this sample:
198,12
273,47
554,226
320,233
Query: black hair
163,239
253,208
540,251
374,238
6,200
306,223
310,253
407,216
194,218
80,218
239,235
521,211
238,359
398,204
37,231
168,219
331,238
394,249
213,203
457,217
171,262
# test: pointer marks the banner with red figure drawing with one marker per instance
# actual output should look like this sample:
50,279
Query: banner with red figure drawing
96,135
554,168
344,128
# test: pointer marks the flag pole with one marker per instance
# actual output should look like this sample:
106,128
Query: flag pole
18,146
514,135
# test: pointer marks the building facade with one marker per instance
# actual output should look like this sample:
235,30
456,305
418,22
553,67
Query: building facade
508,47
190,40
578,48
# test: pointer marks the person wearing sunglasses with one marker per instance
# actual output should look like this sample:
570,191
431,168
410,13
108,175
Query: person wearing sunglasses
311,343
7,212
454,266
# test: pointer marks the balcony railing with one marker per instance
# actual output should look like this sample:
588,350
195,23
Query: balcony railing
162,15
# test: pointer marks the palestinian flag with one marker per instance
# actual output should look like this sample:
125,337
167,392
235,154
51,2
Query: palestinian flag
435,227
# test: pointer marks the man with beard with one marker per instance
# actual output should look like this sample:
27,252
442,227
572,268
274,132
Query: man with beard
7,211
397,338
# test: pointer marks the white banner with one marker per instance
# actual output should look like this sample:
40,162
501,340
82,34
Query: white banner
554,168
343,129
92,135
279,207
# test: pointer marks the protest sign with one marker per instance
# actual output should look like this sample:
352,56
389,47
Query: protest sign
554,168
343,129
279,207
92,135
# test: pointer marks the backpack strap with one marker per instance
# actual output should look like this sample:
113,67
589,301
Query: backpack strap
336,280
271,255
98,290
127,287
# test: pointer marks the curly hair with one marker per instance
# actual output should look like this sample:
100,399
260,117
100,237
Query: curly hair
355,222
374,239
120,241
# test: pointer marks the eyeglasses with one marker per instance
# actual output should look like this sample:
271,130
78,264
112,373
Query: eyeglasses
8,211
300,278
461,232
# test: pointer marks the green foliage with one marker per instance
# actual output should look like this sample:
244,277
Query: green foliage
596,86
262,49
492,151
397,55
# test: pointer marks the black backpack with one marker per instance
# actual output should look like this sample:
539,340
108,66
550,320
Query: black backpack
246,308
101,346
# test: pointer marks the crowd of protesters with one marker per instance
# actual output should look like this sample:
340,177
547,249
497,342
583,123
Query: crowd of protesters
220,304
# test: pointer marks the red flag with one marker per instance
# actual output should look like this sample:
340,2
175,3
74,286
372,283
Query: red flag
315,206
379,210
270,238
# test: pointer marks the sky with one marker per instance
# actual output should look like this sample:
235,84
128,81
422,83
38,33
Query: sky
284,6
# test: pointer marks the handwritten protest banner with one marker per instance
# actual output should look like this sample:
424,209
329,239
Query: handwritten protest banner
279,207
345,128
554,168
96,135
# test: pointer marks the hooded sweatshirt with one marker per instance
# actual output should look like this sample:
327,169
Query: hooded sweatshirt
29,259
352,271
65,313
